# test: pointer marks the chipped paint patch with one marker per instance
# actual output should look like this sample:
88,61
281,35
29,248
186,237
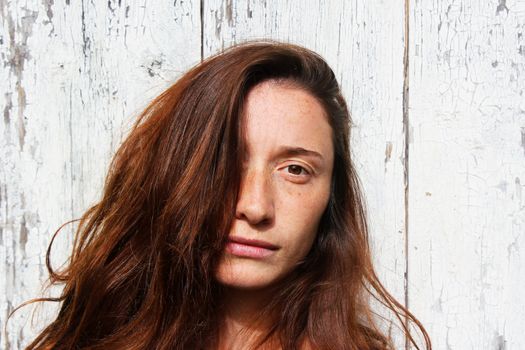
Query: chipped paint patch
19,31
8,107
523,139
49,10
388,151
23,234
499,342
502,6
518,188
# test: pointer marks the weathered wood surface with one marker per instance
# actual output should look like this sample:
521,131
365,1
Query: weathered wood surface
436,92
74,74
467,172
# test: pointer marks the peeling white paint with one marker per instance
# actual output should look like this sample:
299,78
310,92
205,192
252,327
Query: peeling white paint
466,96
74,74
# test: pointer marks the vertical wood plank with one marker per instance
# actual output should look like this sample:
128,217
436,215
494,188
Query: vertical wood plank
467,170
363,43
76,74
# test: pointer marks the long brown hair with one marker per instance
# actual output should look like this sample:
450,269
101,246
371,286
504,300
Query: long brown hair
141,275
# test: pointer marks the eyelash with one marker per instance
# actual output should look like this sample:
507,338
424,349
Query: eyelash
303,169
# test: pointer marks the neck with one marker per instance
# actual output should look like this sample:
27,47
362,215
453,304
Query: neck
243,320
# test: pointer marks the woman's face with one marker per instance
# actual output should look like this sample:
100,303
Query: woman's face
285,186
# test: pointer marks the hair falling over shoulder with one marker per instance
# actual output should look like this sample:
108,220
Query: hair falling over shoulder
141,274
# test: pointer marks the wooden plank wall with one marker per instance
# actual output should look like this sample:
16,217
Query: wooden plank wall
436,92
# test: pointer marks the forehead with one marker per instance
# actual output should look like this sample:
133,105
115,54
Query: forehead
276,114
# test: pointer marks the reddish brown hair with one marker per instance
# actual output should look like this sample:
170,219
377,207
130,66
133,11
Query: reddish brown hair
141,275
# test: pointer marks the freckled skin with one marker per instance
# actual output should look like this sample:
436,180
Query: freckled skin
276,204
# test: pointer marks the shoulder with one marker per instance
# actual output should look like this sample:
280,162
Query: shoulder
306,345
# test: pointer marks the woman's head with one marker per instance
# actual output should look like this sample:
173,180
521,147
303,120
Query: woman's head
285,186
291,102
220,157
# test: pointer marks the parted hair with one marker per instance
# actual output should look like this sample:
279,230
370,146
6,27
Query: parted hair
141,273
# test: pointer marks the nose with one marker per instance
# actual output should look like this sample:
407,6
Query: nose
255,203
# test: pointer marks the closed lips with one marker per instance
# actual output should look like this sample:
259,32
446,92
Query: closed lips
253,243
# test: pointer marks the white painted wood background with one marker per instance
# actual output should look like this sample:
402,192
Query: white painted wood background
436,89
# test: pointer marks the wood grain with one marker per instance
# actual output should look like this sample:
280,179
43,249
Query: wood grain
74,75
436,93
467,165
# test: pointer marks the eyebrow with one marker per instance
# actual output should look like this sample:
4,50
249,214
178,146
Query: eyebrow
299,151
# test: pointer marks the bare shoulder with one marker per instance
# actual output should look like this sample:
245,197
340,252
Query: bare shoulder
307,345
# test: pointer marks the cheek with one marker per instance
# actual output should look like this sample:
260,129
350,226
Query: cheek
303,241
300,210
303,203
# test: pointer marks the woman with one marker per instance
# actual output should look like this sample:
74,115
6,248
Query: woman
231,219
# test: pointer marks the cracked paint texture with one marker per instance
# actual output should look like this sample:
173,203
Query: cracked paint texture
438,136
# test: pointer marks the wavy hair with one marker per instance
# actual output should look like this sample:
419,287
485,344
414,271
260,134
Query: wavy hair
141,274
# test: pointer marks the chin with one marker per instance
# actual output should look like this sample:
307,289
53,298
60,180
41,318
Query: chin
246,285
243,277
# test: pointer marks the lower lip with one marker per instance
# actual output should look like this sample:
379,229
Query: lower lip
248,251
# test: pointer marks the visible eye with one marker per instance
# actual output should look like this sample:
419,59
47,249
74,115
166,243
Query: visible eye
295,169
